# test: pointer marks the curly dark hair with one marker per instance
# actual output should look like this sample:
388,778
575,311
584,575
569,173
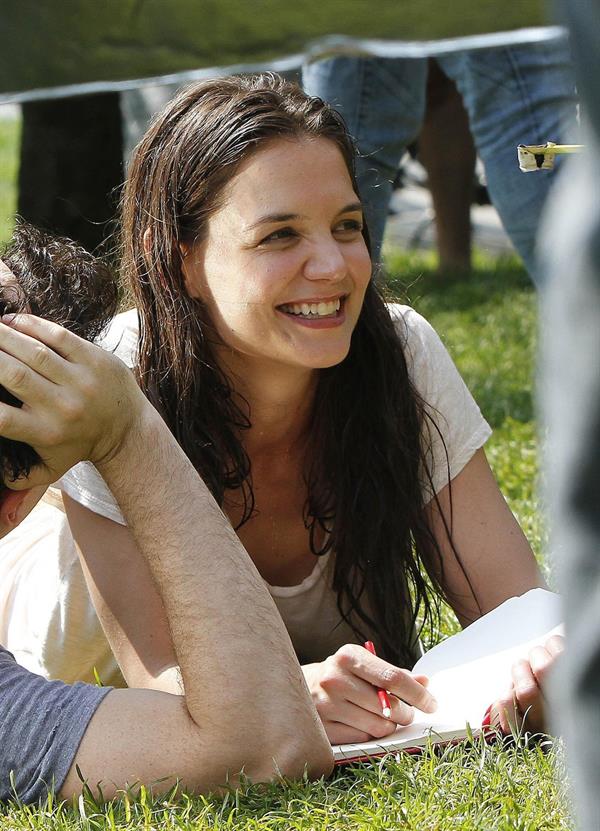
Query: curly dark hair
367,461
59,280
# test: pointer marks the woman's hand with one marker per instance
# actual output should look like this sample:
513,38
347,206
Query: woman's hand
344,691
524,705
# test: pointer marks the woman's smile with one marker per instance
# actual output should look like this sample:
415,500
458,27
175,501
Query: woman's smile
317,313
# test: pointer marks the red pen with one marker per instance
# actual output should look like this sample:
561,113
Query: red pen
386,708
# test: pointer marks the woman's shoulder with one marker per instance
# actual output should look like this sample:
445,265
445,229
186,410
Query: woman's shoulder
405,316
421,342
429,363
121,336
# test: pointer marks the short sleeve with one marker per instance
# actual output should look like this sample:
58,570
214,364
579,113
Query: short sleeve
455,429
121,337
83,483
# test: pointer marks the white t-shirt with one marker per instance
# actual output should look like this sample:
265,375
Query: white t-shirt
309,609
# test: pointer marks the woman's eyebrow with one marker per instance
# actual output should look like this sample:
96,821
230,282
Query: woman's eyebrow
352,208
273,218
270,218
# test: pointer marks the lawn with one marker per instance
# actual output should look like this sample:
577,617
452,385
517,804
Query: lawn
488,322
9,136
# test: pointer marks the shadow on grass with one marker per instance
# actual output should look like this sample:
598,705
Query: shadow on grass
486,318
409,279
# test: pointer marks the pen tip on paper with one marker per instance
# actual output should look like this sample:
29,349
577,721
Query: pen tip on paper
387,712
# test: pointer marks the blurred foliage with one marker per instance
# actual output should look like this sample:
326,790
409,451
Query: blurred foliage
486,319
45,43
9,142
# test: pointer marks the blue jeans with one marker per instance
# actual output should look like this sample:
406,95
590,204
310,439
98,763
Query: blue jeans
513,95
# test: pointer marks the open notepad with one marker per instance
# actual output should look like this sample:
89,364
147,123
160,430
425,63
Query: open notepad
469,671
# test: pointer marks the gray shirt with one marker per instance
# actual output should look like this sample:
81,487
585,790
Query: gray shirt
41,726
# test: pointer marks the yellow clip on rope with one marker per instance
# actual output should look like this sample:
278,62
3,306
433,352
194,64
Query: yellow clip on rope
541,156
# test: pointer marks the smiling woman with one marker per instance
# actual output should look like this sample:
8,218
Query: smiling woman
333,430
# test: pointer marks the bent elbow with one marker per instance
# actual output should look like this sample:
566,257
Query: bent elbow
261,752
295,762
293,755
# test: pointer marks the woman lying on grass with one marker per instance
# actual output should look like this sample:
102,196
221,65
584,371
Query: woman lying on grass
334,431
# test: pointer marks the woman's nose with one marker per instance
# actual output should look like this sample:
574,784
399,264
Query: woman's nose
325,262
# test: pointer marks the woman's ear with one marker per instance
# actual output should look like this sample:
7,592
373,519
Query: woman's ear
193,272
190,263
147,243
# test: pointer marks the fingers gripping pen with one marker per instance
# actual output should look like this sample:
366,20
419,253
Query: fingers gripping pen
382,695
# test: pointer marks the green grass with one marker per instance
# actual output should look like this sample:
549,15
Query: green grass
488,322
9,139
475,787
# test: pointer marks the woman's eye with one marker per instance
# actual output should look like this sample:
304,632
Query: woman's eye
349,226
279,235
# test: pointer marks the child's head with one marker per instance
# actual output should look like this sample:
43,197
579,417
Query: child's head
54,278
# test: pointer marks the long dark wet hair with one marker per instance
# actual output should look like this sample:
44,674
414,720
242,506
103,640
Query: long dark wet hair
367,459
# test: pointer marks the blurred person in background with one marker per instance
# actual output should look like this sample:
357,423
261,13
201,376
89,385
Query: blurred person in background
521,94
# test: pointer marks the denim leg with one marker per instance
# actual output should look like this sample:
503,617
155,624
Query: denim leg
517,95
383,103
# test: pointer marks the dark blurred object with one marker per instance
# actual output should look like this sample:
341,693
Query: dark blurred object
71,166
570,249
58,280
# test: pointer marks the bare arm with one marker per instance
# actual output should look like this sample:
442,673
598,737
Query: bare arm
130,609
495,560
246,703
243,685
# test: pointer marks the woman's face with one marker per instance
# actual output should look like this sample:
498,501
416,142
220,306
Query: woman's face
284,266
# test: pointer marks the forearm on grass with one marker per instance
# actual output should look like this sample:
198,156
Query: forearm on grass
243,684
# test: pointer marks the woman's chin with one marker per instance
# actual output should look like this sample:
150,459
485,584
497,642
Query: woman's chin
295,354
324,359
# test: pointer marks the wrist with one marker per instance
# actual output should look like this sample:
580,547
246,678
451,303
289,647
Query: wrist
142,431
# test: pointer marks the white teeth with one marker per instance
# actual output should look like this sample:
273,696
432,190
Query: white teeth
313,309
